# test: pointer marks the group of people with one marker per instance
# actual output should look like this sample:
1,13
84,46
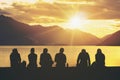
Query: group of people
46,61
83,60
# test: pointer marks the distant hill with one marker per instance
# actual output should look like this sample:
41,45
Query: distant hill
13,32
57,35
112,40
105,37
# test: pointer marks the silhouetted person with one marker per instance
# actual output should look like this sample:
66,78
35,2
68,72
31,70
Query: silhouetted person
32,57
60,59
98,66
23,64
15,59
45,59
83,60
100,58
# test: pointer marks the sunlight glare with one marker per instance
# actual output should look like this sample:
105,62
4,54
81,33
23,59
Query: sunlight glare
48,1
77,21
29,1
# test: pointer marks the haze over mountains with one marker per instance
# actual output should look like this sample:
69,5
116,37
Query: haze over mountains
13,32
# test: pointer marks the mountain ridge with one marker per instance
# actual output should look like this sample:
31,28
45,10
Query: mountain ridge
13,32
112,40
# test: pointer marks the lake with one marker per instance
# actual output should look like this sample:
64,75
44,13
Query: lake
112,53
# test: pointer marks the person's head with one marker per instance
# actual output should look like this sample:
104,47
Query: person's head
32,50
15,50
45,50
61,50
83,51
23,64
99,50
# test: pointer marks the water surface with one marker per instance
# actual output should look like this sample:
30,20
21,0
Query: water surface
112,53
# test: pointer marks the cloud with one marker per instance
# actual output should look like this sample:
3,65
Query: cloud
58,11
117,25
62,10
2,12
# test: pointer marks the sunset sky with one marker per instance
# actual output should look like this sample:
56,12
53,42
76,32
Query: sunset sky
98,17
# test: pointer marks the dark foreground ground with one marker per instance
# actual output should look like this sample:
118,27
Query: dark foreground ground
72,73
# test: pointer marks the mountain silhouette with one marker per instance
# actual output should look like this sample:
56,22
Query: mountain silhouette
55,35
112,40
13,32
106,37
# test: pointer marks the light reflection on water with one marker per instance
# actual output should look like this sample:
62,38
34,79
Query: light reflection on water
112,53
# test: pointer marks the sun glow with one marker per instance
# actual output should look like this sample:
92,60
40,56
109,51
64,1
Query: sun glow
48,1
29,1
77,21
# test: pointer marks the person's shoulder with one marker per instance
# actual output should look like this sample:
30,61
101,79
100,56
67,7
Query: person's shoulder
81,53
48,54
57,53
35,54
18,54
87,53
97,54
103,54
11,53
64,54
41,54
29,55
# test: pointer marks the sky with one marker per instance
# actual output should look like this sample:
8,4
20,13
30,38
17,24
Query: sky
98,17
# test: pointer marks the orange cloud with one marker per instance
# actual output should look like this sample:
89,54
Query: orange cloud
60,11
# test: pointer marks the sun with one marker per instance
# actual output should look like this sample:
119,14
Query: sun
77,21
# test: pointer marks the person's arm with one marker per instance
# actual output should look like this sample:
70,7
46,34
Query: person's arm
89,62
50,59
11,59
65,59
36,58
19,58
104,59
78,59
40,59
56,58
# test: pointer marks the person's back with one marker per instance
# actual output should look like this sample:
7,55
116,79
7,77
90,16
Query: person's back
100,58
60,59
83,59
15,59
45,59
32,57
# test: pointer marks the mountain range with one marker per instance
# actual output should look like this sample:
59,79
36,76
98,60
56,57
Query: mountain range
13,32
112,39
